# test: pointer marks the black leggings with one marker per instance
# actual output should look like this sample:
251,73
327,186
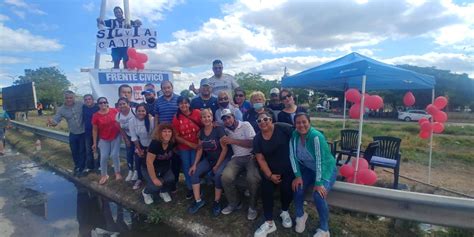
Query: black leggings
286,194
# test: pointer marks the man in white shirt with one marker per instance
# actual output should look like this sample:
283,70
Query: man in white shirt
240,136
220,81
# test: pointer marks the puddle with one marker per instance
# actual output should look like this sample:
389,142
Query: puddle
72,208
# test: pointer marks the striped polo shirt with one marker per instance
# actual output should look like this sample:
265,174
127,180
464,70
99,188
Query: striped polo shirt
166,109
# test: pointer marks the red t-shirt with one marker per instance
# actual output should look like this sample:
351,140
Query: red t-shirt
187,128
107,126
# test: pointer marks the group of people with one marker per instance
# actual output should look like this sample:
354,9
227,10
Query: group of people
217,134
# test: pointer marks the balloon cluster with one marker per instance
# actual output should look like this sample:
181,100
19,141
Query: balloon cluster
364,176
439,117
372,102
136,60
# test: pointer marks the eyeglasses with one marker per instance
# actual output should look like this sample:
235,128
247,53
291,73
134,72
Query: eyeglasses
103,102
285,96
239,95
266,119
224,99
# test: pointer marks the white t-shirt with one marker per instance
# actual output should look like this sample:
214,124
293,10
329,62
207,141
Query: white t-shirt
123,120
244,131
138,131
226,83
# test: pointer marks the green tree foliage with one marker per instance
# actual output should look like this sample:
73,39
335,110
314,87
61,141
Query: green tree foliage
50,83
187,93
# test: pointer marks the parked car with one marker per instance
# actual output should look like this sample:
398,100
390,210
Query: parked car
413,115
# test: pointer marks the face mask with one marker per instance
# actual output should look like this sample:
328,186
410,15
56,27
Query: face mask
224,104
258,106
233,126
150,100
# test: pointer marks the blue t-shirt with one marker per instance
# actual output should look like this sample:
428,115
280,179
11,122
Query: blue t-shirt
87,113
246,106
166,109
199,103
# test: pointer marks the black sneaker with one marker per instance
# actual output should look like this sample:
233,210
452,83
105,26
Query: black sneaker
196,206
189,194
216,208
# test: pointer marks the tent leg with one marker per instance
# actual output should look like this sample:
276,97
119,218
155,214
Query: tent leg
361,121
431,142
344,113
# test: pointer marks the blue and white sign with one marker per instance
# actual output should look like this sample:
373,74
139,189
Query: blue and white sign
136,37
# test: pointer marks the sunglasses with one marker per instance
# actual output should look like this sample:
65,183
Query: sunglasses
285,96
239,95
223,98
266,119
103,102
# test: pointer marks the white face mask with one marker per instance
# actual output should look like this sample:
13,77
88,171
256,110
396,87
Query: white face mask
258,106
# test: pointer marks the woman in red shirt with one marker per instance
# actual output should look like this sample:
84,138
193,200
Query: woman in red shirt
107,130
187,124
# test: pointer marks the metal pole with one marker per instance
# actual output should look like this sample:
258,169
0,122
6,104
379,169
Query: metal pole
126,9
344,113
431,141
361,121
103,6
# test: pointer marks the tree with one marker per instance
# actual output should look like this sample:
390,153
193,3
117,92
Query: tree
50,83
186,93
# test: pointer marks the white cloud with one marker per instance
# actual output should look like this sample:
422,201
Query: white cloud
89,6
21,40
17,3
20,4
150,10
4,18
13,60
20,14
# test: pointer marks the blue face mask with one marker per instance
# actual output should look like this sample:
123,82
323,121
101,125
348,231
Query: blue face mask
258,106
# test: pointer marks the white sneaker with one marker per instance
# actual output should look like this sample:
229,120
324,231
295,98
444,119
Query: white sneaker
321,233
147,198
265,229
135,175
301,223
165,196
286,219
251,214
129,176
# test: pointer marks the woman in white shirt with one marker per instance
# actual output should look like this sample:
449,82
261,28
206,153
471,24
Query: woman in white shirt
123,117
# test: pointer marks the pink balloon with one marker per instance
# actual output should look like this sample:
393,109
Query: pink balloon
346,170
431,109
363,164
409,99
438,127
367,177
374,102
353,95
131,52
422,120
142,58
426,127
354,111
440,102
424,135
140,66
131,64
350,179
440,116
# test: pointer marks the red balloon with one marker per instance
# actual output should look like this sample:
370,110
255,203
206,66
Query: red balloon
409,99
346,170
438,127
367,177
374,102
353,95
431,109
350,179
426,127
424,135
140,66
440,102
422,120
142,58
354,111
363,164
441,117
131,64
131,52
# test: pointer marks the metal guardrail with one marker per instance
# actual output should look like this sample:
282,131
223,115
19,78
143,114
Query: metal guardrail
421,207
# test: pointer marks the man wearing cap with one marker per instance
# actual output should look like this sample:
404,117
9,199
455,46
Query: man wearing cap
240,136
223,100
149,93
275,104
205,98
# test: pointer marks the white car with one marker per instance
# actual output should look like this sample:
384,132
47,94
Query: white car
413,115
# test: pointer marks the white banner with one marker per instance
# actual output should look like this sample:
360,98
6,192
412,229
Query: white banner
106,82
136,37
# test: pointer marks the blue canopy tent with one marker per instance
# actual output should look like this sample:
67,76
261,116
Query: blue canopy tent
358,71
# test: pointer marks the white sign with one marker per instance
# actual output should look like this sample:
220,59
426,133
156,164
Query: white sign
136,37
106,82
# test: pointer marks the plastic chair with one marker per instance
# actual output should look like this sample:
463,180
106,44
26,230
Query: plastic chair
387,155
347,144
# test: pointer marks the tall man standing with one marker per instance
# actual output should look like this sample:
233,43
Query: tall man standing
72,112
219,81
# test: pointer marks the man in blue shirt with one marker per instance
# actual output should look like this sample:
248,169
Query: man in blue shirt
88,109
166,105
205,98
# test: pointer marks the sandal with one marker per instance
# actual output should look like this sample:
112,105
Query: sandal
103,179
118,176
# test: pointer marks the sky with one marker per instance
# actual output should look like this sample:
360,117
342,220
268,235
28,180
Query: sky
255,36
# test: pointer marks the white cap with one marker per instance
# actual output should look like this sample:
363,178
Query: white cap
226,112
274,91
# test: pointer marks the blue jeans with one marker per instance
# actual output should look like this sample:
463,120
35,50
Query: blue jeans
187,160
78,150
90,161
203,167
308,177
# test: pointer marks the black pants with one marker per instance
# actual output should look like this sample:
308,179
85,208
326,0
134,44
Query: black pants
286,193
175,168
164,174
